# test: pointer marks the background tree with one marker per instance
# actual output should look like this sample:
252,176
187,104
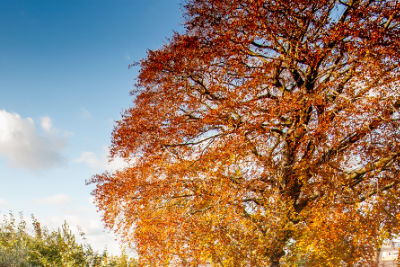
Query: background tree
265,134
38,246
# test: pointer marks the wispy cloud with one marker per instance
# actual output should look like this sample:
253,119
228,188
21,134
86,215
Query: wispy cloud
3,203
91,159
128,57
25,146
45,122
85,114
58,199
100,162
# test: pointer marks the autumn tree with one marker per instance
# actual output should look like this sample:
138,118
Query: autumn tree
265,134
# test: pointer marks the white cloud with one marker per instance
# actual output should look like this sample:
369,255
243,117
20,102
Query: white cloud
116,164
45,122
24,146
3,203
91,159
58,199
100,162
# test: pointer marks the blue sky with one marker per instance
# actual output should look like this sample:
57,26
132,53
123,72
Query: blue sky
64,80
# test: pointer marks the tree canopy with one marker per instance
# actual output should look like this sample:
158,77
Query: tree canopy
267,133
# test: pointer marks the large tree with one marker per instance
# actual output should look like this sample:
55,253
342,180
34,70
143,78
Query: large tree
265,134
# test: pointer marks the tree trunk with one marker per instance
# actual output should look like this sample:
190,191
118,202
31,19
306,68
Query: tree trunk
275,258
275,263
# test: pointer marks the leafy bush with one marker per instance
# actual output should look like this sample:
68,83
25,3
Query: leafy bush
21,247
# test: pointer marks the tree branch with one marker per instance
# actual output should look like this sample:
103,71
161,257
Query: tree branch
349,139
356,177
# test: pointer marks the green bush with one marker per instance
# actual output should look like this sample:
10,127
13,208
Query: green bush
20,247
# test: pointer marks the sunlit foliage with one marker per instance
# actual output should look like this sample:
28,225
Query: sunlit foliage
23,246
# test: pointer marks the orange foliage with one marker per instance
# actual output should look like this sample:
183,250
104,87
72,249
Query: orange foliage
266,134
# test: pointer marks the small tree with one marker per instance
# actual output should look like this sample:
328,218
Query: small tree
266,133
14,243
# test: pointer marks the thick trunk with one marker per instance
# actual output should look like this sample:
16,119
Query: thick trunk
274,260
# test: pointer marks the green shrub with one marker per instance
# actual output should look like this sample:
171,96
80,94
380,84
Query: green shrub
20,247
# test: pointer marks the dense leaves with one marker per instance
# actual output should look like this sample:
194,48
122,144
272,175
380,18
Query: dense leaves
21,246
266,134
